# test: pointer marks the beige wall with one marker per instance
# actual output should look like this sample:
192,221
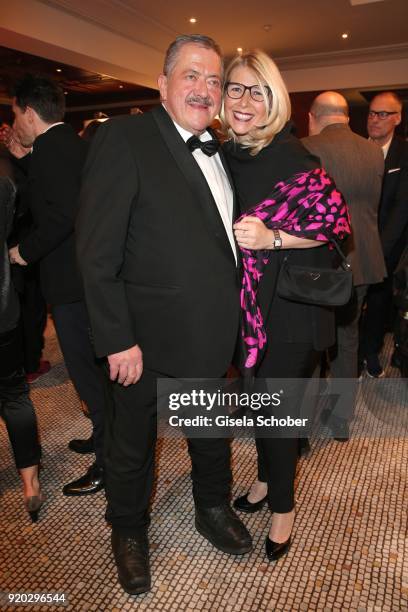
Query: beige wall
389,74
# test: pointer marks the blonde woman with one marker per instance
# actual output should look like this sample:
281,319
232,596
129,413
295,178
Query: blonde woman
281,339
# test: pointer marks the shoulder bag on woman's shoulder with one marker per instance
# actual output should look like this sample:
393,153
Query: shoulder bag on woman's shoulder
314,285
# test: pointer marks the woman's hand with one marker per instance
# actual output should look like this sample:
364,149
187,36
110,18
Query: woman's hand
10,140
252,233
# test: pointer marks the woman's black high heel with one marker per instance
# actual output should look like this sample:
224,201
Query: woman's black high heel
274,550
33,505
244,505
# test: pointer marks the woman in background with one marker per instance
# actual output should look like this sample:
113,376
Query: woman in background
262,152
16,407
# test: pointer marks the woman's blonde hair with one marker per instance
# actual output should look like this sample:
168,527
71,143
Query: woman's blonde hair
266,72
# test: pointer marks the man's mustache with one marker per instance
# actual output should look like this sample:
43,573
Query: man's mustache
203,100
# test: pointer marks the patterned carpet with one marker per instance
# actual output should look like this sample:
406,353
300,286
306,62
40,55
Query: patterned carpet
349,552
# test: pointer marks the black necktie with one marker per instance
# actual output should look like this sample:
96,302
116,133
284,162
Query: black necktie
210,147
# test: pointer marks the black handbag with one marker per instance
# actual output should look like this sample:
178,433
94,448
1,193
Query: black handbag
317,286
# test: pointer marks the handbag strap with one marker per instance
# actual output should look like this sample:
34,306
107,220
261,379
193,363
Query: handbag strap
344,263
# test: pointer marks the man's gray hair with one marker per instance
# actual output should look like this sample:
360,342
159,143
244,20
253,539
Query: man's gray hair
397,99
184,39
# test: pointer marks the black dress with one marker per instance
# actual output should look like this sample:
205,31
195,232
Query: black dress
296,333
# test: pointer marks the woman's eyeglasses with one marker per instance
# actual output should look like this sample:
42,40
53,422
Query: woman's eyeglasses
237,90
381,114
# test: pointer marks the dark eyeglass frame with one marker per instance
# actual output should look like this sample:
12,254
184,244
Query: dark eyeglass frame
381,114
245,88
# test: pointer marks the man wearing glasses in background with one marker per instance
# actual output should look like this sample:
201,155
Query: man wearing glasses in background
383,117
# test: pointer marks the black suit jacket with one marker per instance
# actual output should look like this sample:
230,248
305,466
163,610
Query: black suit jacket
54,174
255,177
157,266
393,216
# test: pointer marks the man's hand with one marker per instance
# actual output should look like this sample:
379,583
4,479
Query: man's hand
15,257
127,366
10,140
252,233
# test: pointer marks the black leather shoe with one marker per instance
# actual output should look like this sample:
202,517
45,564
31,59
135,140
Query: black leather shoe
275,551
374,367
83,447
222,527
244,505
132,562
91,482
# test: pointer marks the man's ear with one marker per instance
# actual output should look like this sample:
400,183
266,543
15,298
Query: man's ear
31,114
310,124
162,83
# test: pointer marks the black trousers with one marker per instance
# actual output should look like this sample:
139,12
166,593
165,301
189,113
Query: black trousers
131,431
376,318
16,407
33,319
73,330
277,457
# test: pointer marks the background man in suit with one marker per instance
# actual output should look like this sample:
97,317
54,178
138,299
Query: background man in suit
158,260
54,170
357,167
383,117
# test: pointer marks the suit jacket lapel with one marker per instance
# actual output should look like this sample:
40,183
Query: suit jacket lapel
392,159
194,177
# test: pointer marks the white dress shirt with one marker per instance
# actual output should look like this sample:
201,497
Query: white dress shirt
386,147
383,147
218,183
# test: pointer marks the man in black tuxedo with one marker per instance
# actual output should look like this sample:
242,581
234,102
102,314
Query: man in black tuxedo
54,170
159,264
383,117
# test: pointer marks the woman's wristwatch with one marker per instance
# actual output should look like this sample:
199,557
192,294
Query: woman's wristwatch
277,242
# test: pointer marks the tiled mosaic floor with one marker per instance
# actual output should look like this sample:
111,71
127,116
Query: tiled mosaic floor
349,552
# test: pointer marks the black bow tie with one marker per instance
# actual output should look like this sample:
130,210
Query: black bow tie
210,147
